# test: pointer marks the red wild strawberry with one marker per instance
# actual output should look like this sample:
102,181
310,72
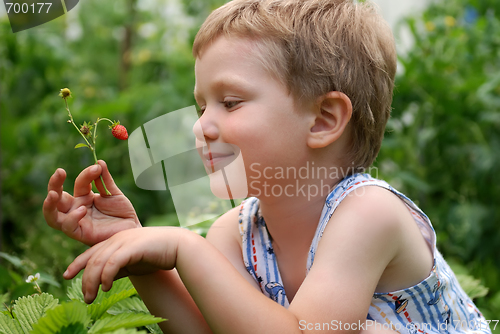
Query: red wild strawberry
119,131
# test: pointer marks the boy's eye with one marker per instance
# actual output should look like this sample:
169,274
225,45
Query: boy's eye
230,104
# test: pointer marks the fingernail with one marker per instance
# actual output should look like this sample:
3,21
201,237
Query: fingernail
66,273
94,169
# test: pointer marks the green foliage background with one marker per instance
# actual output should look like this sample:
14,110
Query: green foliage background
442,146
131,60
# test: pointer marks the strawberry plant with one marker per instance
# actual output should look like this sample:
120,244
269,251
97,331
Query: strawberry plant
118,311
88,130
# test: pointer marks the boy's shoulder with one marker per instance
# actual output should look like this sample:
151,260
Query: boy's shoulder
372,205
225,236
375,223
224,231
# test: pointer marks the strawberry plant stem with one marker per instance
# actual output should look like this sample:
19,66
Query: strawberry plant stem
91,147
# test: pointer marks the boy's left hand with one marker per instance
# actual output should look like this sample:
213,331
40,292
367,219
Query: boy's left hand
130,252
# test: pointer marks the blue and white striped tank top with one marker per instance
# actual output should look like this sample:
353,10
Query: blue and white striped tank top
436,305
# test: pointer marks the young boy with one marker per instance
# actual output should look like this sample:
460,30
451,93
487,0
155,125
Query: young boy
297,86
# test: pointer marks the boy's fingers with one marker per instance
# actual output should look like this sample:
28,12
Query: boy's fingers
57,200
83,182
71,222
115,262
71,273
74,268
108,181
65,202
49,209
94,269
56,181
55,208
80,262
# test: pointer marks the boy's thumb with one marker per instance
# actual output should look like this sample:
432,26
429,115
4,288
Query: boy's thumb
108,181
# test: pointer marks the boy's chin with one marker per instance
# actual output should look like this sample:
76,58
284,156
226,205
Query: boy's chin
231,190
230,182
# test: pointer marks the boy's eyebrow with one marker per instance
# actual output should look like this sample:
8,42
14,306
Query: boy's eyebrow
232,82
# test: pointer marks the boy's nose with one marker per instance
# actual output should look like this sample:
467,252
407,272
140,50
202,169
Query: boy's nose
205,128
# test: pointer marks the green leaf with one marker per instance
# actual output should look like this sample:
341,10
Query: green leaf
124,320
120,285
4,298
127,331
81,145
98,309
134,305
17,262
60,319
472,287
128,305
154,329
9,325
49,279
76,328
122,289
29,309
75,290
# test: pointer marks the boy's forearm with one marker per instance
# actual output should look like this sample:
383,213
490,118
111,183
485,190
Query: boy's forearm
228,302
165,296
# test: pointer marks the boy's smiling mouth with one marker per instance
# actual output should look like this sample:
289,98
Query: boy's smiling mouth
218,155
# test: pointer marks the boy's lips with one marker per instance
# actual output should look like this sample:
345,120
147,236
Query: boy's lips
217,160
218,156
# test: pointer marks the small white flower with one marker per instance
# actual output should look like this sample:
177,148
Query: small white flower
32,278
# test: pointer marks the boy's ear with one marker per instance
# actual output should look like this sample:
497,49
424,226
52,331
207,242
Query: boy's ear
331,116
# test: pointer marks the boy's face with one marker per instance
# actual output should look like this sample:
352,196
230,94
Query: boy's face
243,105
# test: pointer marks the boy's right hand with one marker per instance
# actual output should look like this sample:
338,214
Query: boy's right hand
88,217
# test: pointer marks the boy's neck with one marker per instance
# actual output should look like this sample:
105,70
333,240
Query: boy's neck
292,220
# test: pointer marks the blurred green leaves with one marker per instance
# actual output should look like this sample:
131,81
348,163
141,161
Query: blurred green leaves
442,145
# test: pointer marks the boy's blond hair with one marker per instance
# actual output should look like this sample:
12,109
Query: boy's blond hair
318,46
